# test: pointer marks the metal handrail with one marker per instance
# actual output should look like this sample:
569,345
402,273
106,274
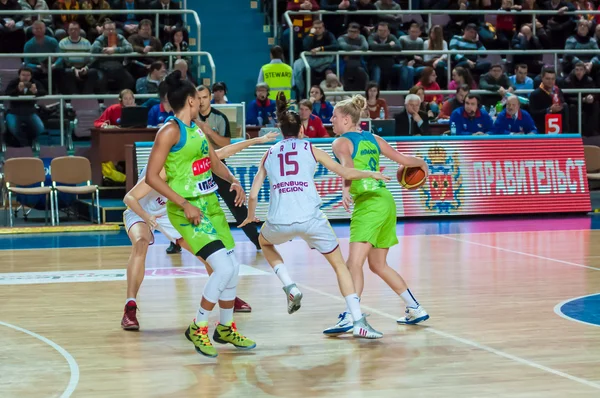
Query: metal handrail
429,13
156,13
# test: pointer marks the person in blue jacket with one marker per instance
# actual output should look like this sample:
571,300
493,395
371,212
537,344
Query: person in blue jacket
514,120
321,107
470,119
261,111
160,112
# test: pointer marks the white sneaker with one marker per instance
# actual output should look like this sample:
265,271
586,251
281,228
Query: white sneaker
413,316
362,329
344,325
293,301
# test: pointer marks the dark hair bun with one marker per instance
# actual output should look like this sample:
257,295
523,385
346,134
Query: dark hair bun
173,79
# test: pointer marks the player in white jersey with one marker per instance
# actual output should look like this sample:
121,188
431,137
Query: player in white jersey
147,212
295,210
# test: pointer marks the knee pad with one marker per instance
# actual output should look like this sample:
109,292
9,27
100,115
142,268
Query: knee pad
223,273
230,290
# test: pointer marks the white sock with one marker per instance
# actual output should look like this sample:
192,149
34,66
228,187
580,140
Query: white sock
202,316
226,316
353,306
130,299
409,299
282,274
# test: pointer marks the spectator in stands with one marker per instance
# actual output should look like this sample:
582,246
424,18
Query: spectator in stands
495,81
352,41
505,25
77,74
411,65
559,25
584,5
182,66
321,107
454,103
520,80
548,98
394,21
40,43
426,107
381,66
514,120
261,111
23,113
581,41
469,41
374,103
332,83
470,119
28,20
160,112
367,22
215,125
94,21
178,44
128,23
439,62
277,74
219,90
526,40
412,120
61,22
149,83
167,23
112,67
336,23
312,126
143,43
111,117
429,83
301,24
12,35
458,22
318,40
590,108
461,76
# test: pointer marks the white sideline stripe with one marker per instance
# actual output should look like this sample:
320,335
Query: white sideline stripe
469,343
73,367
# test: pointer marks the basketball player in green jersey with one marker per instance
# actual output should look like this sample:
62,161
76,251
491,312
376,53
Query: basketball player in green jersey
373,222
193,209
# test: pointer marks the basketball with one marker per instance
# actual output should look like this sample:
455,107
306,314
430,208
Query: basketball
410,177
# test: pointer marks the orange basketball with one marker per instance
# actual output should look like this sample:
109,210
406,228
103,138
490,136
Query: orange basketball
410,177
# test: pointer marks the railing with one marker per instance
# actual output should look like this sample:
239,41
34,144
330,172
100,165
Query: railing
156,13
429,13
62,97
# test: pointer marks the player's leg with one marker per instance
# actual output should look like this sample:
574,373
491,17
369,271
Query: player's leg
271,235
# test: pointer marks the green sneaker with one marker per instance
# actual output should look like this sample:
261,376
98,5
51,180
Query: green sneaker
199,336
228,334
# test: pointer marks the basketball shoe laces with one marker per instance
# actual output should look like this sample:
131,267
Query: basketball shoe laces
235,334
202,332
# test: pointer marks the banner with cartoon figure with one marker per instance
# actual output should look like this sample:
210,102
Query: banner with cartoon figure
468,175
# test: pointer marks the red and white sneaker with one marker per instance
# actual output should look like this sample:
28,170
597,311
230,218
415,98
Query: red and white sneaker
241,306
129,321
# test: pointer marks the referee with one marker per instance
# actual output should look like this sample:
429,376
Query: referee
216,127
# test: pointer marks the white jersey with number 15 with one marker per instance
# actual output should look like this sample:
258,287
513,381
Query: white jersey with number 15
290,166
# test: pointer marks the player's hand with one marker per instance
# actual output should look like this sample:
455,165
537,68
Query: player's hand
347,201
192,213
151,222
268,138
240,195
248,220
381,177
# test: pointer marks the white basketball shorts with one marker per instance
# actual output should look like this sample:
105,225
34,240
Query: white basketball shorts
130,218
317,232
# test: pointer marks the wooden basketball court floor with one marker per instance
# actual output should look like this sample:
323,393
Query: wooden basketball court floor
495,296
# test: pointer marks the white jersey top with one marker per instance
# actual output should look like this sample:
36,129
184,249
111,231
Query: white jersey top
290,166
154,203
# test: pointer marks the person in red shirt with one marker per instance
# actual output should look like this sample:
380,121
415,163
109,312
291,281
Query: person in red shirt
312,126
429,82
112,115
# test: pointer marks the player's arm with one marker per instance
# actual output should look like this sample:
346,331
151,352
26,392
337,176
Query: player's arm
230,150
342,148
133,197
345,172
166,138
405,160
224,173
258,182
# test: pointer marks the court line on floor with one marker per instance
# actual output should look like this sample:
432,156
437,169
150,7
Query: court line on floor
558,311
73,367
471,343
518,252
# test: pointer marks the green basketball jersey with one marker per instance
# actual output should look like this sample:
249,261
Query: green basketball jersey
366,157
188,164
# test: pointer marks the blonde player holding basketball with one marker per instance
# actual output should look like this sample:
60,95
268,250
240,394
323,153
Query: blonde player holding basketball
294,211
373,223
146,213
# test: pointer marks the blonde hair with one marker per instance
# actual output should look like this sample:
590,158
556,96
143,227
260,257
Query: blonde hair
352,107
